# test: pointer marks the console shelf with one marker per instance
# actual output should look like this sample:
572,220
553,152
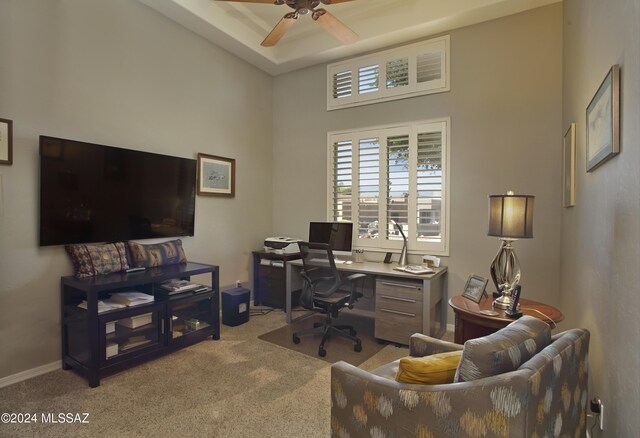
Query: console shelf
96,344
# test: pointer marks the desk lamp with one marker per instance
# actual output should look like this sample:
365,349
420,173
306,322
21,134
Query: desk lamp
403,255
510,219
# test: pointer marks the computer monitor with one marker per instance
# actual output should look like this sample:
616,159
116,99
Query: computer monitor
337,234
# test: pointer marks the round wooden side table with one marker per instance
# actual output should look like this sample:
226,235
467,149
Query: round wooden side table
471,323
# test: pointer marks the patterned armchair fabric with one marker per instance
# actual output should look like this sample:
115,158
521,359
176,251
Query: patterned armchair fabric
545,397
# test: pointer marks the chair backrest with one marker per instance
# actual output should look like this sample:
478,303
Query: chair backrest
321,277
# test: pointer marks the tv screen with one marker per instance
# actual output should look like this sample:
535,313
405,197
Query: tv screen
96,193
337,234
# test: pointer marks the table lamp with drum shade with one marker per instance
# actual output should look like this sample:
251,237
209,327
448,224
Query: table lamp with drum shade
510,219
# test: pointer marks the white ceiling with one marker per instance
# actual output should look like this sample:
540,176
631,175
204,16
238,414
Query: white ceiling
241,27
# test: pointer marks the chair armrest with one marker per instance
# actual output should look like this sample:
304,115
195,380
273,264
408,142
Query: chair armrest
354,277
423,345
354,294
383,407
361,401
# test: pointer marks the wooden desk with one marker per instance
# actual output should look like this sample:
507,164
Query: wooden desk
434,289
470,323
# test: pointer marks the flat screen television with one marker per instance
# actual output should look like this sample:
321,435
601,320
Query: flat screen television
96,193
337,234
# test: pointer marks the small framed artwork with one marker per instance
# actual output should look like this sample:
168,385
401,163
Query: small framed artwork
603,121
569,167
475,288
6,141
216,176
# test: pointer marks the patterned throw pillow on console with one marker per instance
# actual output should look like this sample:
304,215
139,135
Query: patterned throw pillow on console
504,350
158,254
90,260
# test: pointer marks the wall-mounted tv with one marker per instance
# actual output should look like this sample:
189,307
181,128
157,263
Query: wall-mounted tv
96,193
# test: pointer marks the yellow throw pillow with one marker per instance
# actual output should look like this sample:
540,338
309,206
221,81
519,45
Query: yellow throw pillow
429,370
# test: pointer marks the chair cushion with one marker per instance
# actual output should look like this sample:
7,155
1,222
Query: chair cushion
429,370
159,254
90,260
504,350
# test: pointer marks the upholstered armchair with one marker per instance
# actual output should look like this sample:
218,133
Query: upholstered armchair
544,396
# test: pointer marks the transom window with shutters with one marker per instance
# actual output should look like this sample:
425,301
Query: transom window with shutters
392,173
413,70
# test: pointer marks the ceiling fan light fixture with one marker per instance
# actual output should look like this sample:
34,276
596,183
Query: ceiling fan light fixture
303,7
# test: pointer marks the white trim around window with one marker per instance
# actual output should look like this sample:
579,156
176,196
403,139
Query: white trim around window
394,172
408,71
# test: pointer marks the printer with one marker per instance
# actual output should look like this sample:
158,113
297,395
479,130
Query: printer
281,245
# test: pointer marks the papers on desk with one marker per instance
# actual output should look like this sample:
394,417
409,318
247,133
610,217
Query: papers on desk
414,269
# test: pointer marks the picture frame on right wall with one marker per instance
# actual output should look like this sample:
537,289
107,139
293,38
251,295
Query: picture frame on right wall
569,167
603,121
6,141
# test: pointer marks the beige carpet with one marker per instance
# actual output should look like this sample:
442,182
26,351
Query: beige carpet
239,386
337,348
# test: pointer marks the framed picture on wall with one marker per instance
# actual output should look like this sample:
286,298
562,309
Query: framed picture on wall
569,167
6,141
603,121
475,287
216,176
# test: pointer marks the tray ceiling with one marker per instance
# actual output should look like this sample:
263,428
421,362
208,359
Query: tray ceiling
240,27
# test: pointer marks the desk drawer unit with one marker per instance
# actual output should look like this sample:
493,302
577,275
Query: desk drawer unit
272,284
398,309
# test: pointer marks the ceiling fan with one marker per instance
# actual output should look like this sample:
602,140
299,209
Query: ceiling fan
302,7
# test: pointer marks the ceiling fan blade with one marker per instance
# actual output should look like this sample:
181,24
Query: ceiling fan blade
250,1
335,27
333,2
278,32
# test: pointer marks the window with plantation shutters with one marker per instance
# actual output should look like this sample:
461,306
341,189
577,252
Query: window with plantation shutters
389,174
413,70
342,180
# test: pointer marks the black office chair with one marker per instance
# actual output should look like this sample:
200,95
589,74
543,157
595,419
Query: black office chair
322,292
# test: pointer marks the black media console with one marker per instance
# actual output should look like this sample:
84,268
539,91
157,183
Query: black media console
99,343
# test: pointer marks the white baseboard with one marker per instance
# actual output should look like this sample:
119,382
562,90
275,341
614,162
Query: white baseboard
28,374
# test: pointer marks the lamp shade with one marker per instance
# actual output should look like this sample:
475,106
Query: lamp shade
511,216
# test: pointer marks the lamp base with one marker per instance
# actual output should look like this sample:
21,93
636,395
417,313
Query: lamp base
504,301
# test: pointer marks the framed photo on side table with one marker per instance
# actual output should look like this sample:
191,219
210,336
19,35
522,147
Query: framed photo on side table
216,176
475,287
6,141
569,167
603,121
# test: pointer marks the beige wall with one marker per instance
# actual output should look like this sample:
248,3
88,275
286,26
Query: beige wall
118,73
601,234
505,108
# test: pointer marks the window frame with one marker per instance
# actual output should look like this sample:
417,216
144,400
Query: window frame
439,45
382,132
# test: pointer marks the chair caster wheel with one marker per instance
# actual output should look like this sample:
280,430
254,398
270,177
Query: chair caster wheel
322,352
296,340
358,347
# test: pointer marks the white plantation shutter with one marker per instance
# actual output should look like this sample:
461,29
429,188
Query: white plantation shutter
429,186
342,181
368,185
392,173
397,184
398,73
368,79
429,67
407,71
342,83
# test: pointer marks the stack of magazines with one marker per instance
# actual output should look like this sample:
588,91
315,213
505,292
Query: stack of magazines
132,298
176,286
